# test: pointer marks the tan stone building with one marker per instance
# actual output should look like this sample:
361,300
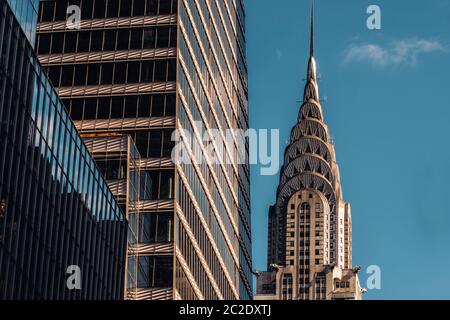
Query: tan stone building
310,239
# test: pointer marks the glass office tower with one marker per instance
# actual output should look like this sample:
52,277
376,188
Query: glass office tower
145,68
26,12
56,210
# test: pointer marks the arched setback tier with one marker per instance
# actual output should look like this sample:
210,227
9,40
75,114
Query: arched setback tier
307,162
310,109
308,144
310,127
307,180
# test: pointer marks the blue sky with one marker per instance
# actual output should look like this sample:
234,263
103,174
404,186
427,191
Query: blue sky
388,109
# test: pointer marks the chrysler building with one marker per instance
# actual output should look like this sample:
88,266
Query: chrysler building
310,224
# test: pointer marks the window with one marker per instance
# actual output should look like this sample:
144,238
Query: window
158,105
160,70
145,103
48,9
99,9
155,144
173,36
166,185
155,272
117,108
133,72
103,108
170,105
136,39
149,38
122,39
138,8
125,8
130,107
112,10
90,109
113,169
66,76
80,75
87,9
61,10
70,42
93,74
76,110
110,40
147,71
83,41
120,72
163,38
155,227
151,8
54,74
165,7
57,42
44,43
157,185
96,40
172,71
107,73
141,140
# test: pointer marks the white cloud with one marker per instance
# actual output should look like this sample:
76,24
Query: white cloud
402,52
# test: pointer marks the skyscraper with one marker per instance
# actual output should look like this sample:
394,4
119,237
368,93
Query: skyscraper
309,249
57,215
144,68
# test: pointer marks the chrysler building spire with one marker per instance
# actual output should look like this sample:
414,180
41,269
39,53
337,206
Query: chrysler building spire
311,43
309,247
311,88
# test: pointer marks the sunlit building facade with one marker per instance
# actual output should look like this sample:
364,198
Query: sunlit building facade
144,68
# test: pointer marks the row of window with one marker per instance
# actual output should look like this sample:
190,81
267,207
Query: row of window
107,40
153,143
155,272
156,185
112,169
113,73
98,9
342,284
153,227
145,106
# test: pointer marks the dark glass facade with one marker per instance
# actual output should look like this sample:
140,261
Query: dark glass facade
56,209
26,12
